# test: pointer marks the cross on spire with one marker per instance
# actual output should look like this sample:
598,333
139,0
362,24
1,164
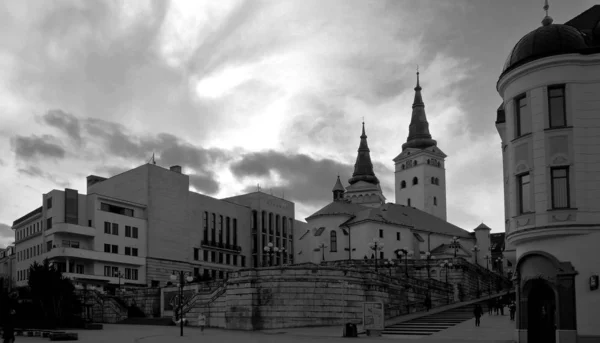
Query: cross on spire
547,19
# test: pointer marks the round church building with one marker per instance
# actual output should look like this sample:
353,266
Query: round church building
549,123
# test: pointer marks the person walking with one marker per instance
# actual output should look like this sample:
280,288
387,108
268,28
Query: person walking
512,308
202,321
478,311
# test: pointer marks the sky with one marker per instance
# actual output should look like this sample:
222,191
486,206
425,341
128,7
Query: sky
241,93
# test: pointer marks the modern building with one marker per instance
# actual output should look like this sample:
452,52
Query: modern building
139,227
549,124
415,225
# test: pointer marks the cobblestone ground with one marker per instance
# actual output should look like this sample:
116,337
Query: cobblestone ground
493,329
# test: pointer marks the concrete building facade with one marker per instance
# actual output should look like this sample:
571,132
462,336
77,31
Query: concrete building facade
550,131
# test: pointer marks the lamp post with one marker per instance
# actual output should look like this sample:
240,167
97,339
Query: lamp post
389,265
183,277
445,264
405,252
498,263
429,257
475,250
487,261
322,247
455,243
282,252
376,246
119,275
270,250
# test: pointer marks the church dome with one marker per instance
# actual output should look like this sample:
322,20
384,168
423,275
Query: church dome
545,41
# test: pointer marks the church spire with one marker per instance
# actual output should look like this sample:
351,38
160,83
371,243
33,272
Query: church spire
363,168
418,133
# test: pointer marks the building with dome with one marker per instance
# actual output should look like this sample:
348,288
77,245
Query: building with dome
549,123
415,224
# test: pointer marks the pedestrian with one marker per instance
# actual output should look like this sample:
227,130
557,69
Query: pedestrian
9,327
202,321
428,302
512,308
501,304
490,304
478,311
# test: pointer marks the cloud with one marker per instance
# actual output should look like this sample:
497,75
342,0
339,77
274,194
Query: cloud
28,148
205,184
65,122
6,231
36,172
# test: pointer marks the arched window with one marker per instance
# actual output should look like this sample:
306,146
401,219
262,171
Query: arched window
408,202
415,181
333,241
403,184
435,201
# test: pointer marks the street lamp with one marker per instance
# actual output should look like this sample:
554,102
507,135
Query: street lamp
119,275
270,250
455,243
389,265
445,264
429,257
498,263
475,250
282,252
183,277
322,247
405,252
376,246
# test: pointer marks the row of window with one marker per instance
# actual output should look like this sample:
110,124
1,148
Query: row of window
113,229
116,209
28,231
223,258
415,181
30,252
557,114
113,271
227,236
559,188
282,225
114,249
408,203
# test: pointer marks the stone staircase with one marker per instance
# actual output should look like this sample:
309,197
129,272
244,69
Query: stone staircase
430,324
196,304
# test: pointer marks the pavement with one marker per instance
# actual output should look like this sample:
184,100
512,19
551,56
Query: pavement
493,329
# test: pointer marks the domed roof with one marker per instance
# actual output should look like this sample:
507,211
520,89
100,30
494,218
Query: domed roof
548,40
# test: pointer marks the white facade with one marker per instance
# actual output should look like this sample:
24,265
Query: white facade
420,180
553,223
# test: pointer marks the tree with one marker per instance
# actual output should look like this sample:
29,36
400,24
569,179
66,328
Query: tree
52,293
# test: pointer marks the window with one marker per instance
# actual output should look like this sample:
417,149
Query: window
106,247
403,184
90,223
380,233
235,260
220,257
116,209
115,229
270,223
220,229
205,255
243,261
196,271
227,230
524,193
235,242
49,203
408,202
277,229
107,227
48,223
196,254
560,187
79,269
227,259
48,246
415,181
205,223
115,249
433,180
523,117
397,236
284,226
213,256
254,220
127,251
127,231
434,201
107,271
263,221
213,229
381,255
134,274
134,232
134,251
333,241
556,106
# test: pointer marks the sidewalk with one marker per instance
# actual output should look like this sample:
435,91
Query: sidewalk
493,328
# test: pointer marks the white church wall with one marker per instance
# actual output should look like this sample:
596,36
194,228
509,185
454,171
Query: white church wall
364,233
310,242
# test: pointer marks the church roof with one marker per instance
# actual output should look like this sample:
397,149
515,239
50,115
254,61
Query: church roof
418,131
482,226
391,214
338,208
338,185
363,168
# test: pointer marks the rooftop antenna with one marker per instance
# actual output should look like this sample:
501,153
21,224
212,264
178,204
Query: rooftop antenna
152,160
547,19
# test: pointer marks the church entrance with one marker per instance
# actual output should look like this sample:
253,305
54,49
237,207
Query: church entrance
541,309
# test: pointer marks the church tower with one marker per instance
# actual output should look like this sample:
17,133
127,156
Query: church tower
419,169
364,186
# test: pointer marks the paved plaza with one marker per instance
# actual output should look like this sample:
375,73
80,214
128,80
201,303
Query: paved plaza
493,329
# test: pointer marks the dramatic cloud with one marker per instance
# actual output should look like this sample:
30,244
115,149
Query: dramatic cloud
65,122
29,148
6,235
206,184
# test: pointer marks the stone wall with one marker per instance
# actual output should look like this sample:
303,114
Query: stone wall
310,295
146,299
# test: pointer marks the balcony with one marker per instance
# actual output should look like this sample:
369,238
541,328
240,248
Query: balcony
221,246
93,255
72,229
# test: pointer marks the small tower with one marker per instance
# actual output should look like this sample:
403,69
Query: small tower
482,236
364,186
338,190
419,169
